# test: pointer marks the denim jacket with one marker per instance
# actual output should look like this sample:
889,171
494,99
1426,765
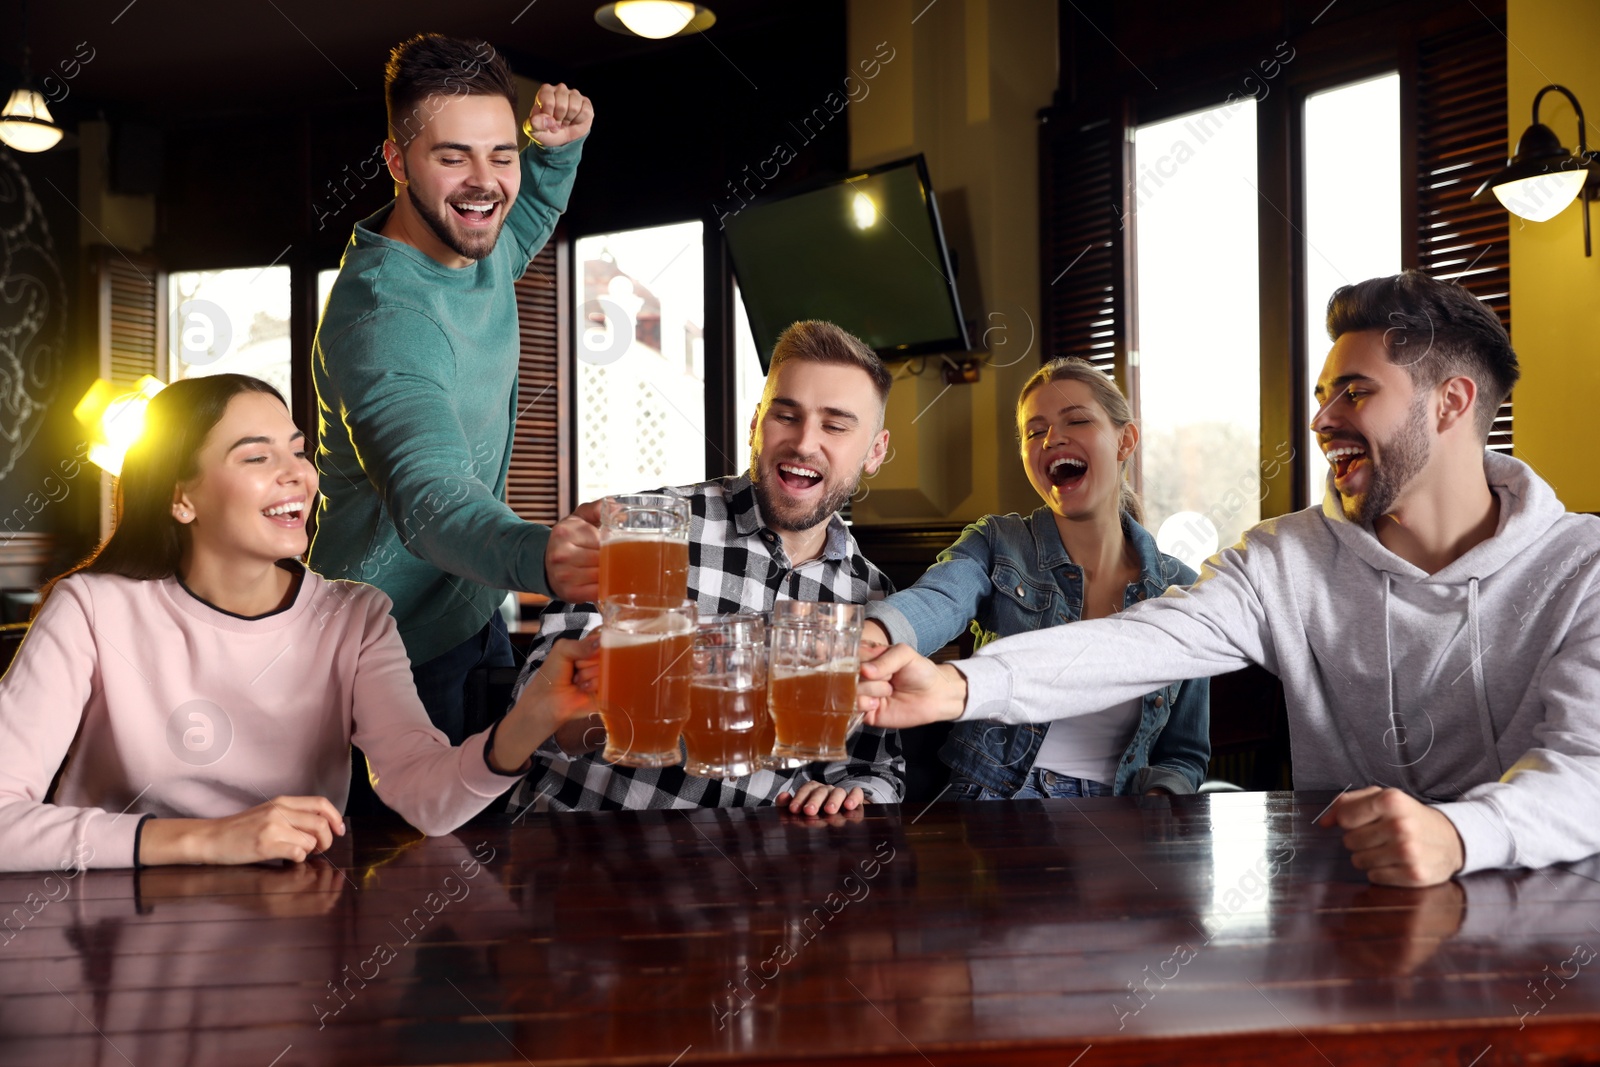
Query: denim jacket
1007,575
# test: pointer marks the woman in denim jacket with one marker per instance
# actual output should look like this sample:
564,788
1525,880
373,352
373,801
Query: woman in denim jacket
1081,556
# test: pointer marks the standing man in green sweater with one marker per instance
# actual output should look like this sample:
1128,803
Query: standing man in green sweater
415,363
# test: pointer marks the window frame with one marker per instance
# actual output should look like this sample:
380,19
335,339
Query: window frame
724,443
1193,103
1325,58
1301,379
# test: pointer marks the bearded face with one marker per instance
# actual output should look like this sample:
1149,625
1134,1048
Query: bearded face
1372,425
816,432
460,175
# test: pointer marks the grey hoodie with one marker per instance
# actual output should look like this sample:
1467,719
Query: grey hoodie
1476,688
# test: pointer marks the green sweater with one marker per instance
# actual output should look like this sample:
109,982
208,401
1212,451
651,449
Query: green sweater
415,366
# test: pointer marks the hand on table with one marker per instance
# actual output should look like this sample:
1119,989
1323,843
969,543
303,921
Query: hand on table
560,116
820,798
572,556
1395,838
899,688
284,828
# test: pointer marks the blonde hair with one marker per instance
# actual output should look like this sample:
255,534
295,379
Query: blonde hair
1111,401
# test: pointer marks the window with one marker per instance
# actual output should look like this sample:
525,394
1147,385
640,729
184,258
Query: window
1352,215
1429,137
324,287
1199,361
230,321
640,359
749,379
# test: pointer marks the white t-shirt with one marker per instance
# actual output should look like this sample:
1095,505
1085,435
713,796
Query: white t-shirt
1090,746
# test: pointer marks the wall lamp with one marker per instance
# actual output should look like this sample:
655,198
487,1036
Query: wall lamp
1541,178
114,417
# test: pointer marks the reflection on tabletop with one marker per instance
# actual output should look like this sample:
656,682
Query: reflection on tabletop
949,929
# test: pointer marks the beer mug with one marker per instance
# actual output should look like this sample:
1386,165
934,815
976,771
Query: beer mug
644,546
729,733
646,656
813,658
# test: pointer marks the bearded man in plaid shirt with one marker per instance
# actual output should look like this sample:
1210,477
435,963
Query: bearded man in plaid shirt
773,533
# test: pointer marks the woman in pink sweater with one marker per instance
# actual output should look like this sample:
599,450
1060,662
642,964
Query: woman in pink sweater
193,690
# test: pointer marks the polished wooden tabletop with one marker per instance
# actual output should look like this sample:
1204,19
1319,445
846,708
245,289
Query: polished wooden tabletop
1221,928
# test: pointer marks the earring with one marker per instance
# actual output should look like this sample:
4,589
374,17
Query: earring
181,514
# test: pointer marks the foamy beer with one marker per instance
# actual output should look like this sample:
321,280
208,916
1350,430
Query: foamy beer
813,657
644,545
725,735
646,657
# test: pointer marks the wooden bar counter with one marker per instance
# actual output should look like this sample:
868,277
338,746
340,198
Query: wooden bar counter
1191,930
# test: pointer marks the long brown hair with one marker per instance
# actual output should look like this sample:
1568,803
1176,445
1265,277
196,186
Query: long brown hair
1111,401
146,542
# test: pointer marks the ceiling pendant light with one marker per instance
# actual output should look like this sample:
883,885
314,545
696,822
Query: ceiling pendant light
26,123
655,19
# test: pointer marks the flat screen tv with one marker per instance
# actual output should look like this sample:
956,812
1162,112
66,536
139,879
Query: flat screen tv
866,253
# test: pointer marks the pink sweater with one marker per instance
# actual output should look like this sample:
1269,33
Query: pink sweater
160,704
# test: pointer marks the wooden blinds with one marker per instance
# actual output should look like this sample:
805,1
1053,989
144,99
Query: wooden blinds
132,317
1461,141
130,330
1084,246
538,483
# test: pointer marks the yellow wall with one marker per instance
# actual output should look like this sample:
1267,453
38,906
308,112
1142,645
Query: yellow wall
967,80
1555,291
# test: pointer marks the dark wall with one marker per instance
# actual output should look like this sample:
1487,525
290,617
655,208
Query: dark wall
44,364
673,127
250,189
1172,56
685,129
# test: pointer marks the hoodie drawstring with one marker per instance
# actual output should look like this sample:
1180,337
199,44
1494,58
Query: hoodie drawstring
1480,691
1388,673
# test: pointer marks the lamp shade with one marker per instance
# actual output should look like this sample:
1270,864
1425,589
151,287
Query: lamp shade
655,19
1542,197
26,123
114,417
1538,146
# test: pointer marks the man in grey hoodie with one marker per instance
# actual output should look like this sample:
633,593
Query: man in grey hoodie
1434,624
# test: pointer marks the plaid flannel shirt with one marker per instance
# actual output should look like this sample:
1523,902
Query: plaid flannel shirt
735,564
